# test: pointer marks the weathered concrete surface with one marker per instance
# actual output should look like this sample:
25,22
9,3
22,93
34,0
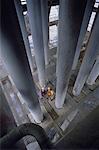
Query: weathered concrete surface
84,135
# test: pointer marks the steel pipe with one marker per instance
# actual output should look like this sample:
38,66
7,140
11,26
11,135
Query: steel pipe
70,19
94,73
86,18
89,58
44,12
26,129
35,19
15,58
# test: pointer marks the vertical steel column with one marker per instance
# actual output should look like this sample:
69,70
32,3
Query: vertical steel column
83,30
35,19
44,12
24,31
89,58
15,58
94,73
70,18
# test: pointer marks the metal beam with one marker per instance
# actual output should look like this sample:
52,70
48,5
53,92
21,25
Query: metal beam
52,23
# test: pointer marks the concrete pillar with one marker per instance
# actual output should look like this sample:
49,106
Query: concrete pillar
89,58
70,18
83,30
35,19
24,32
15,58
44,12
94,73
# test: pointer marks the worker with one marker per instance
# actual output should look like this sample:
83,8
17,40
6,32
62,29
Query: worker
43,92
50,93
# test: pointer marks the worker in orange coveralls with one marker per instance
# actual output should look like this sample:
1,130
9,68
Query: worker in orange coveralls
50,93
